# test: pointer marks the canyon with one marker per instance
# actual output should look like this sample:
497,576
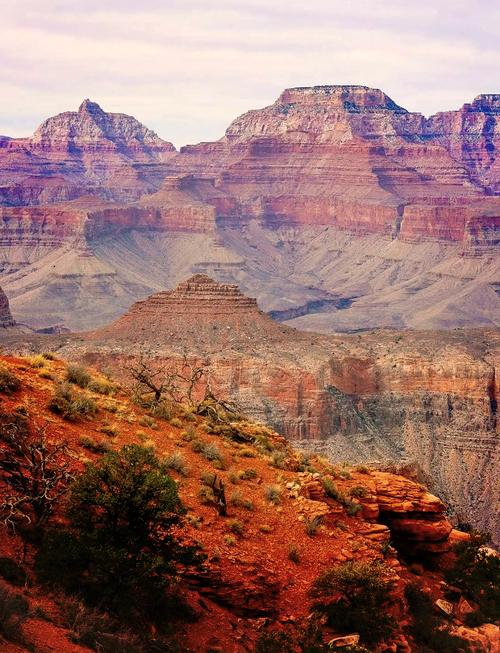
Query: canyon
335,207
423,403
367,234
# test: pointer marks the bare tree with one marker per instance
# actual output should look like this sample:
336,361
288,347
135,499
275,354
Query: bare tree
182,382
34,471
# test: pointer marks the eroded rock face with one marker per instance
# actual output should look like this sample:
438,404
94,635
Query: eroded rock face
6,319
78,153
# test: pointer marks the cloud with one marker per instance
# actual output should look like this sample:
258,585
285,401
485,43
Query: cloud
186,68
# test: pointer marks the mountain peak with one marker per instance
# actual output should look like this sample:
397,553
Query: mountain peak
87,106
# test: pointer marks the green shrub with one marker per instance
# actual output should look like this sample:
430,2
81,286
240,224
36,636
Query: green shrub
273,494
119,542
354,597
352,508
331,489
477,574
9,383
78,375
358,491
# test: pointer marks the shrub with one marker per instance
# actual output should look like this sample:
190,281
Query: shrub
9,383
477,574
109,429
78,375
312,525
49,356
96,447
211,452
176,462
273,494
70,406
331,489
34,472
37,361
352,508
175,421
236,526
238,501
206,495
248,474
14,611
428,629
148,421
101,386
293,553
277,459
119,542
358,491
97,630
353,597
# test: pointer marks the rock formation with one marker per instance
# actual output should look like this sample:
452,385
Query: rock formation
6,319
338,209
79,153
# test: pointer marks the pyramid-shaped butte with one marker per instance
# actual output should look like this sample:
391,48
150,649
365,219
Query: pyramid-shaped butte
201,295
199,308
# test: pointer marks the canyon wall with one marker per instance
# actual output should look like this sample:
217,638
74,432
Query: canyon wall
333,197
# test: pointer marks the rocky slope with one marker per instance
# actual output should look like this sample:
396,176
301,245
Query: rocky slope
404,397
251,582
334,206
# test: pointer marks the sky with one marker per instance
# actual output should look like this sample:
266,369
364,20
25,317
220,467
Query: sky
187,68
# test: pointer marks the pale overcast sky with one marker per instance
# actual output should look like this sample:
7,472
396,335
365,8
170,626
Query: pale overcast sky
186,68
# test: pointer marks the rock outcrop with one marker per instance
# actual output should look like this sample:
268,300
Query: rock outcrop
6,319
